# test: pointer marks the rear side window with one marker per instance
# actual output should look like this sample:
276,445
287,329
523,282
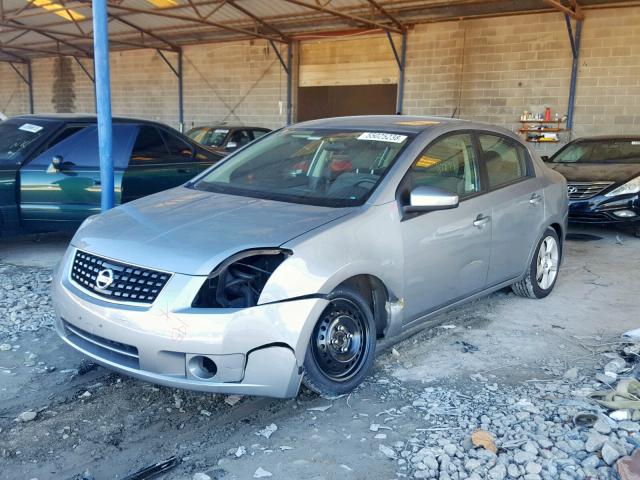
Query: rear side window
149,146
177,147
505,160
449,164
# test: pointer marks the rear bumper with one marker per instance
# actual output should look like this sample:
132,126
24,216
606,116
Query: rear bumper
256,351
603,210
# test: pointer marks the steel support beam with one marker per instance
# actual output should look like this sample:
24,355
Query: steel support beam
575,51
177,71
287,67
103,102
401,60
27,79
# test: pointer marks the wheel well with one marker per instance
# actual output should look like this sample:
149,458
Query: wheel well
558,229
375,292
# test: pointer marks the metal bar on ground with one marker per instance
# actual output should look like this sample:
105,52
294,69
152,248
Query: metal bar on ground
289,83
574,71
103,102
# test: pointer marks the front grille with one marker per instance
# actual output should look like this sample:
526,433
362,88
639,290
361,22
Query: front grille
102,347
119,281
584,190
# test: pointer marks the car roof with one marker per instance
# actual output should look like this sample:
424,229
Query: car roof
396,123
83,117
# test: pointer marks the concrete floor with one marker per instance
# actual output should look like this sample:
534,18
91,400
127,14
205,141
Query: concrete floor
126,424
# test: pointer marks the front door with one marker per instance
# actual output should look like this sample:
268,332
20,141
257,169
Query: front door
61,197
159,161
446,252
518,205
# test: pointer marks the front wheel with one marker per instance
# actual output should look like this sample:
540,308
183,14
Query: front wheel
342,346
543,271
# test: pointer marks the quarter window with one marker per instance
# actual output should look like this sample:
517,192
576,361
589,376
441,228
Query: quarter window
449,164
504,159
149,146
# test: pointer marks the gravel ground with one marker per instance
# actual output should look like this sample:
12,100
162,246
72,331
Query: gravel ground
491,392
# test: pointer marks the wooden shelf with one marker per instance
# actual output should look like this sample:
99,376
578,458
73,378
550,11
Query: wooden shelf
541,130
541,121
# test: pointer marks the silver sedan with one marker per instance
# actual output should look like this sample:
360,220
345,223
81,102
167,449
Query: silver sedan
295,257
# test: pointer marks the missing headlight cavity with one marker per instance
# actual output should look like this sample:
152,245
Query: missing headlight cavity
238,281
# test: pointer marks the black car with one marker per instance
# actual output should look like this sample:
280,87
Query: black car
224,139
603,177
50,167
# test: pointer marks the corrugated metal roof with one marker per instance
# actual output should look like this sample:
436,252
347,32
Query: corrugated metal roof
28,31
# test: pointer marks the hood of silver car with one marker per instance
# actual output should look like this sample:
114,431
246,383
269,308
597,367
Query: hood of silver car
191,232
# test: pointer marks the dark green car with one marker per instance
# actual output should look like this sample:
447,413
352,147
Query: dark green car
50,169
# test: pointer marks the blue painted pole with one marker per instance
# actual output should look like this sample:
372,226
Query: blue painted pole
575,44
103,101
180,93
30,86
403,62
289,83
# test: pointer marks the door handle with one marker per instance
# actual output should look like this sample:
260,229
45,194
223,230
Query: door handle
481,221
535,199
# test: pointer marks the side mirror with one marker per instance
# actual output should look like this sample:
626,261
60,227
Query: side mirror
428,199
231,145
57,162
545,158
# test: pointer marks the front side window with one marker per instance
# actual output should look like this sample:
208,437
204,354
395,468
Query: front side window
505,161
449,164
600,151
258,133
335,168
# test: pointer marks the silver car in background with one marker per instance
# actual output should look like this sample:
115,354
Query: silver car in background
292,259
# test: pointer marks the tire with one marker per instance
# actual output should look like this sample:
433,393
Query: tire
547,258
336,363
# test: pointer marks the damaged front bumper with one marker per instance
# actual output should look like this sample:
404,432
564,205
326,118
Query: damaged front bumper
252,351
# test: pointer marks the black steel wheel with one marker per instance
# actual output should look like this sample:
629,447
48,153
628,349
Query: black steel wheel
342,346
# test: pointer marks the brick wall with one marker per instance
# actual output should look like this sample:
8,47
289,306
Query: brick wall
13,91
492,69
235,82
484,69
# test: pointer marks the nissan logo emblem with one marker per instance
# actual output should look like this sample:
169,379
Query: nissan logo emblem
572,189
104,279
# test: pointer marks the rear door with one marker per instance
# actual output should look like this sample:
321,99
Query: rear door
159,160
62,198
517,202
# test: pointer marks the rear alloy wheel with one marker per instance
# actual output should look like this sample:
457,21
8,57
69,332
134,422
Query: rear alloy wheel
543,271
342,346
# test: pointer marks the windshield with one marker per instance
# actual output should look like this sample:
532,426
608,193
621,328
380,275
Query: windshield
600,151
332,168
16,134
209,137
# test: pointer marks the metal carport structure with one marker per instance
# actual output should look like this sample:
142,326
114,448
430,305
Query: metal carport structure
78,28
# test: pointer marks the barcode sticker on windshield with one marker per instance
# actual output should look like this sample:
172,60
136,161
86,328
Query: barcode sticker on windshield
29,127
221,130
382,137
